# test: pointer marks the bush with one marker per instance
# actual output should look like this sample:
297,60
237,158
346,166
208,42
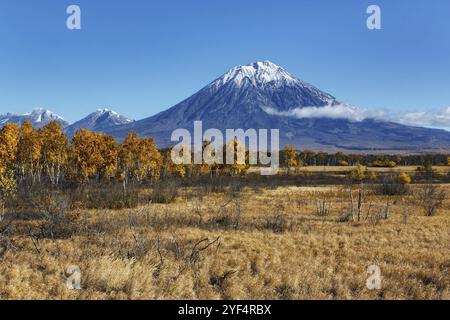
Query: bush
426,171
224,220
7,190
214,184
52,207
393,186
359,173
164,192
430,198
277,223
404,178
384,164
109,196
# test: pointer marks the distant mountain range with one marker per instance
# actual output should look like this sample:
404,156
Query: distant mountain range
38,117
101,120
263,95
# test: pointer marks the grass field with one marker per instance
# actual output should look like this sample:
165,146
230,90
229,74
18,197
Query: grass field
249,243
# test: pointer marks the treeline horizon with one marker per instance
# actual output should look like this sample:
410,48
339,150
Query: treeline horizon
29,154
48,155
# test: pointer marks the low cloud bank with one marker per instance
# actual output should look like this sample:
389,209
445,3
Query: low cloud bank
341,111
439,119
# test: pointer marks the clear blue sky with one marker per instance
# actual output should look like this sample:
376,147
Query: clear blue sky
140,57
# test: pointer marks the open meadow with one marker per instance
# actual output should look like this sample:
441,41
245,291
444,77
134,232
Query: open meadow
234,238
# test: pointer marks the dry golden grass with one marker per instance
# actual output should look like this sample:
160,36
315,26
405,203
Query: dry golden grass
271,244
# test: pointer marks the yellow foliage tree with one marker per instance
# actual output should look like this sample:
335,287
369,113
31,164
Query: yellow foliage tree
290,158
343,163
148,159
7,189
404,178
359,173
109,151
139,158
84,154
93,155
127,155
183,167
236,157
29,152
9,138
54,152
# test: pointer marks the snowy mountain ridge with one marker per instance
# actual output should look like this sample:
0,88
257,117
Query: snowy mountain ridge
38,117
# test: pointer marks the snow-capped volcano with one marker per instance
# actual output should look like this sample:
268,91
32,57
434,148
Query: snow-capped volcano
239,98
99,120
274,80
262,95
258,74
39,118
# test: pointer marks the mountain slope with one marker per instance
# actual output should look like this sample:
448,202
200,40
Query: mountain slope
99,121
264,95
38,117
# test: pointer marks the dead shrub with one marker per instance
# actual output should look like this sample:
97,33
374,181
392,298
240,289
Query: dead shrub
214,184
277,223
392,186
323,208
164,192
345,217
5,227
53,208
111,196
224,220
430,198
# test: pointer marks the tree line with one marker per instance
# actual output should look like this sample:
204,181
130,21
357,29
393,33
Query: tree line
291,158
48,155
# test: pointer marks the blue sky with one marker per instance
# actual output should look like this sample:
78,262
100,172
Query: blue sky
140,57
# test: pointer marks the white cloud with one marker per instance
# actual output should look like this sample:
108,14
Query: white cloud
439,119
341,111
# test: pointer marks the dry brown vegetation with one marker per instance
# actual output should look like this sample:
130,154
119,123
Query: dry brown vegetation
276,240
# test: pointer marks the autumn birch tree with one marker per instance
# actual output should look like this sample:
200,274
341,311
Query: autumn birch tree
54,152
9,139
29,152
290,158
